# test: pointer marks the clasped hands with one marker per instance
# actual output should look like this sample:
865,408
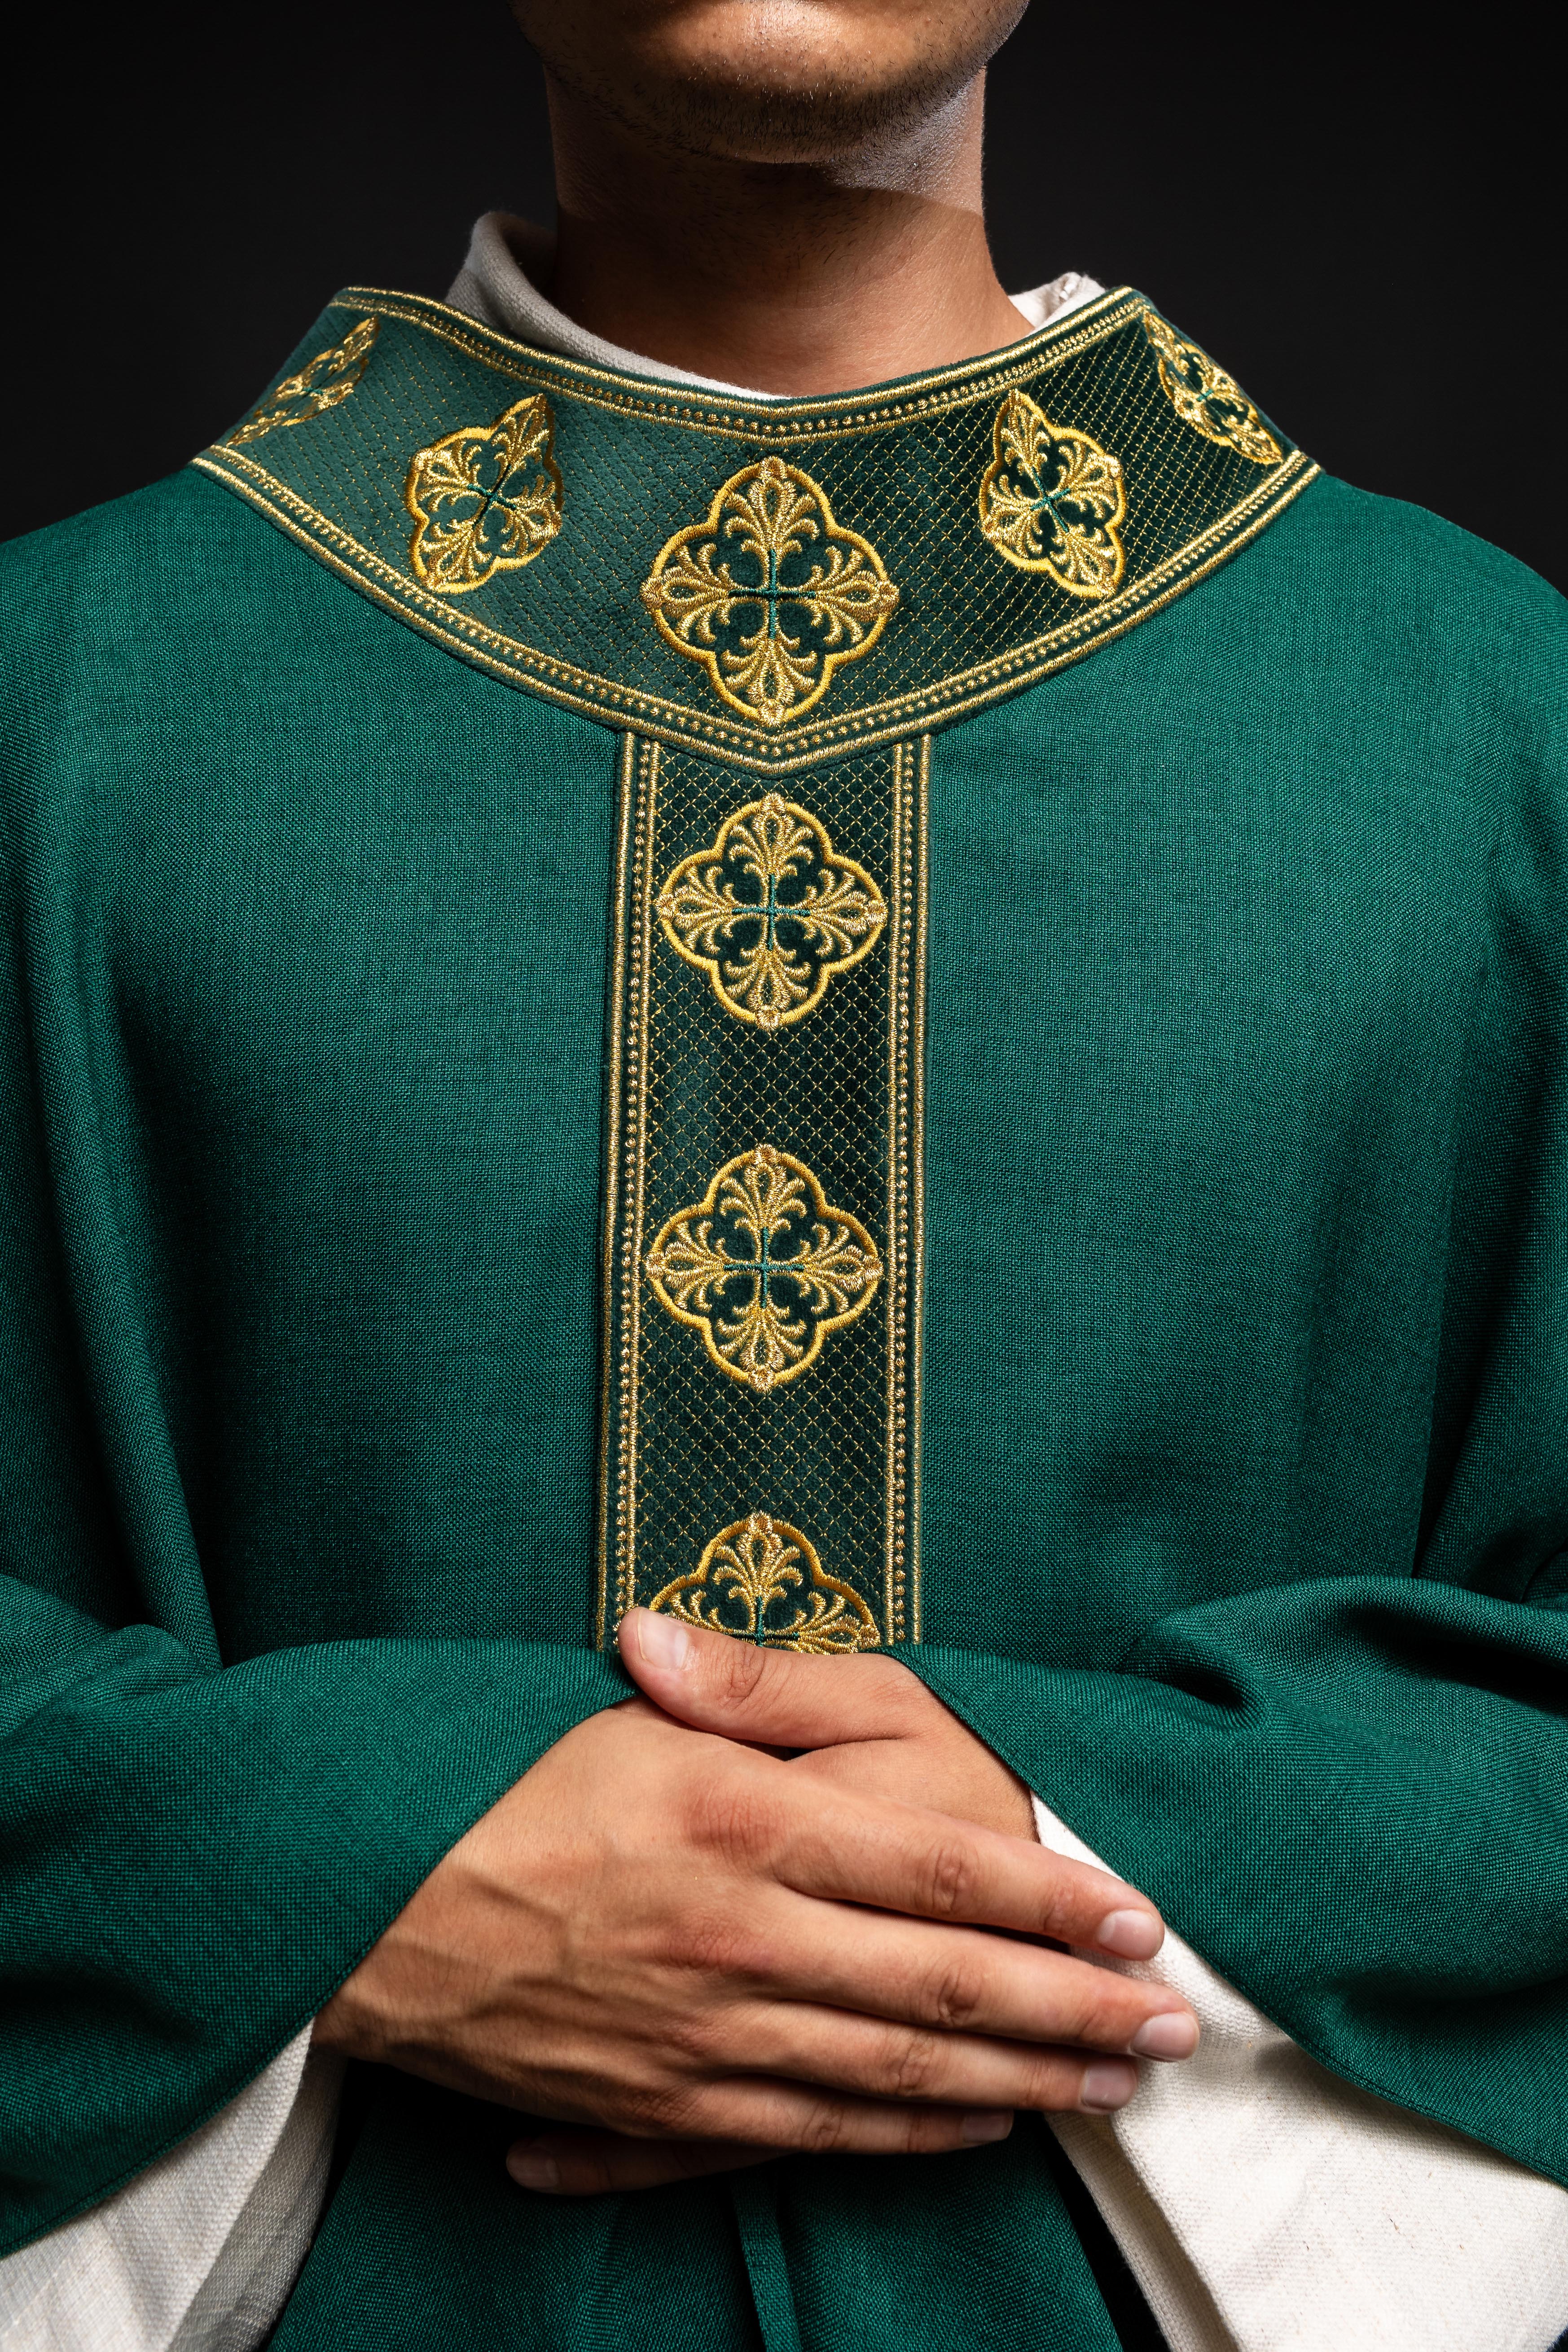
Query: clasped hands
746,1913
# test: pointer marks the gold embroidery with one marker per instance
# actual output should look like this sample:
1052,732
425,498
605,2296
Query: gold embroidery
1073,490
486,498
906,1189
787,422
785,949
770,510
756,1564
1186,529
682,1449
1205,397
325,381
761,1198
627,1164
659,719
621,1164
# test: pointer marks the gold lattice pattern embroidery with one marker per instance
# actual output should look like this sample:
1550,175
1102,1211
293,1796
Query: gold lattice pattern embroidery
328,379
811,596
750,1582
1205,397
486,498
771,912
1053,501
765,1268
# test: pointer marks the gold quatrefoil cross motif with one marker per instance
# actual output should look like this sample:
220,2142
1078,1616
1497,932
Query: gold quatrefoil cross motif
765,1268
771,912
1205,397
320,384
484,499
796,596
750,1582
1053,501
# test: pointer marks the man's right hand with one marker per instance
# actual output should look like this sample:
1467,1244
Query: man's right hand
662,1932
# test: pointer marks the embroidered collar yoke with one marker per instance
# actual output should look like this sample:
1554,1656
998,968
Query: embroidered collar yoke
775,582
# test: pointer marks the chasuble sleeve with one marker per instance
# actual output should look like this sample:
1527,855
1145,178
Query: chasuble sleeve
206,1821
198,2253
1351,1798
1348,1792
1259,2200
192,1855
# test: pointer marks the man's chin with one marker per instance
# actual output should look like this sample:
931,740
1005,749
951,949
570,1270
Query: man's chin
752,81
818,125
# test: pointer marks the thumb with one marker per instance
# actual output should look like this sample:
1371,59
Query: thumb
777,1698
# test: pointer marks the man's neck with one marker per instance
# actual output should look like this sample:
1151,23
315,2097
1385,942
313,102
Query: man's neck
792,278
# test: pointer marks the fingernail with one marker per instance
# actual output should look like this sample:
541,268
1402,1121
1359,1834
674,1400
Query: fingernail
1175,2035
1130,1935
988,2123
661,1642
1106,2086
532,2168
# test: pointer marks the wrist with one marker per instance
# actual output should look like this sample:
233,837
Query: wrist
347,2026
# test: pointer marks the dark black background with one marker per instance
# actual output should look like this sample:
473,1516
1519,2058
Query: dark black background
1352,213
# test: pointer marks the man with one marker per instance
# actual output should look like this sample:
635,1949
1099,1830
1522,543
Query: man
923,1019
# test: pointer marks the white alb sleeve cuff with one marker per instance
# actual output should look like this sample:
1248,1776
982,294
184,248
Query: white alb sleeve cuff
198,2254
1263,2205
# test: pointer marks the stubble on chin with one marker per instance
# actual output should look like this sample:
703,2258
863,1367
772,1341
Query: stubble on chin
739,79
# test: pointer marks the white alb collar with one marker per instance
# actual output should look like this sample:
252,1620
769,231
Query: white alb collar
496,285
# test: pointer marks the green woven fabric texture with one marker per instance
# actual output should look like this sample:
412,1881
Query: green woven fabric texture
979,2254
1245,1380
299,1079
427,2243
1245,1495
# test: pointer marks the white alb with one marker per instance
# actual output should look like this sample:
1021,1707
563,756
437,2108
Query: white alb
1265,2206
198,2253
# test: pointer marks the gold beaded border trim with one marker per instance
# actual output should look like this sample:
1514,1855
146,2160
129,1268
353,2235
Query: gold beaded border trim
908,902
625,1186
832,416
671,722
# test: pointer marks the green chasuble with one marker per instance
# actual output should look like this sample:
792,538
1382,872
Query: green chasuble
931,1019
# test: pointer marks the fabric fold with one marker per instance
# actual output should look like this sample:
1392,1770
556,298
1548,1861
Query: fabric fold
198,2253
1262,2203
